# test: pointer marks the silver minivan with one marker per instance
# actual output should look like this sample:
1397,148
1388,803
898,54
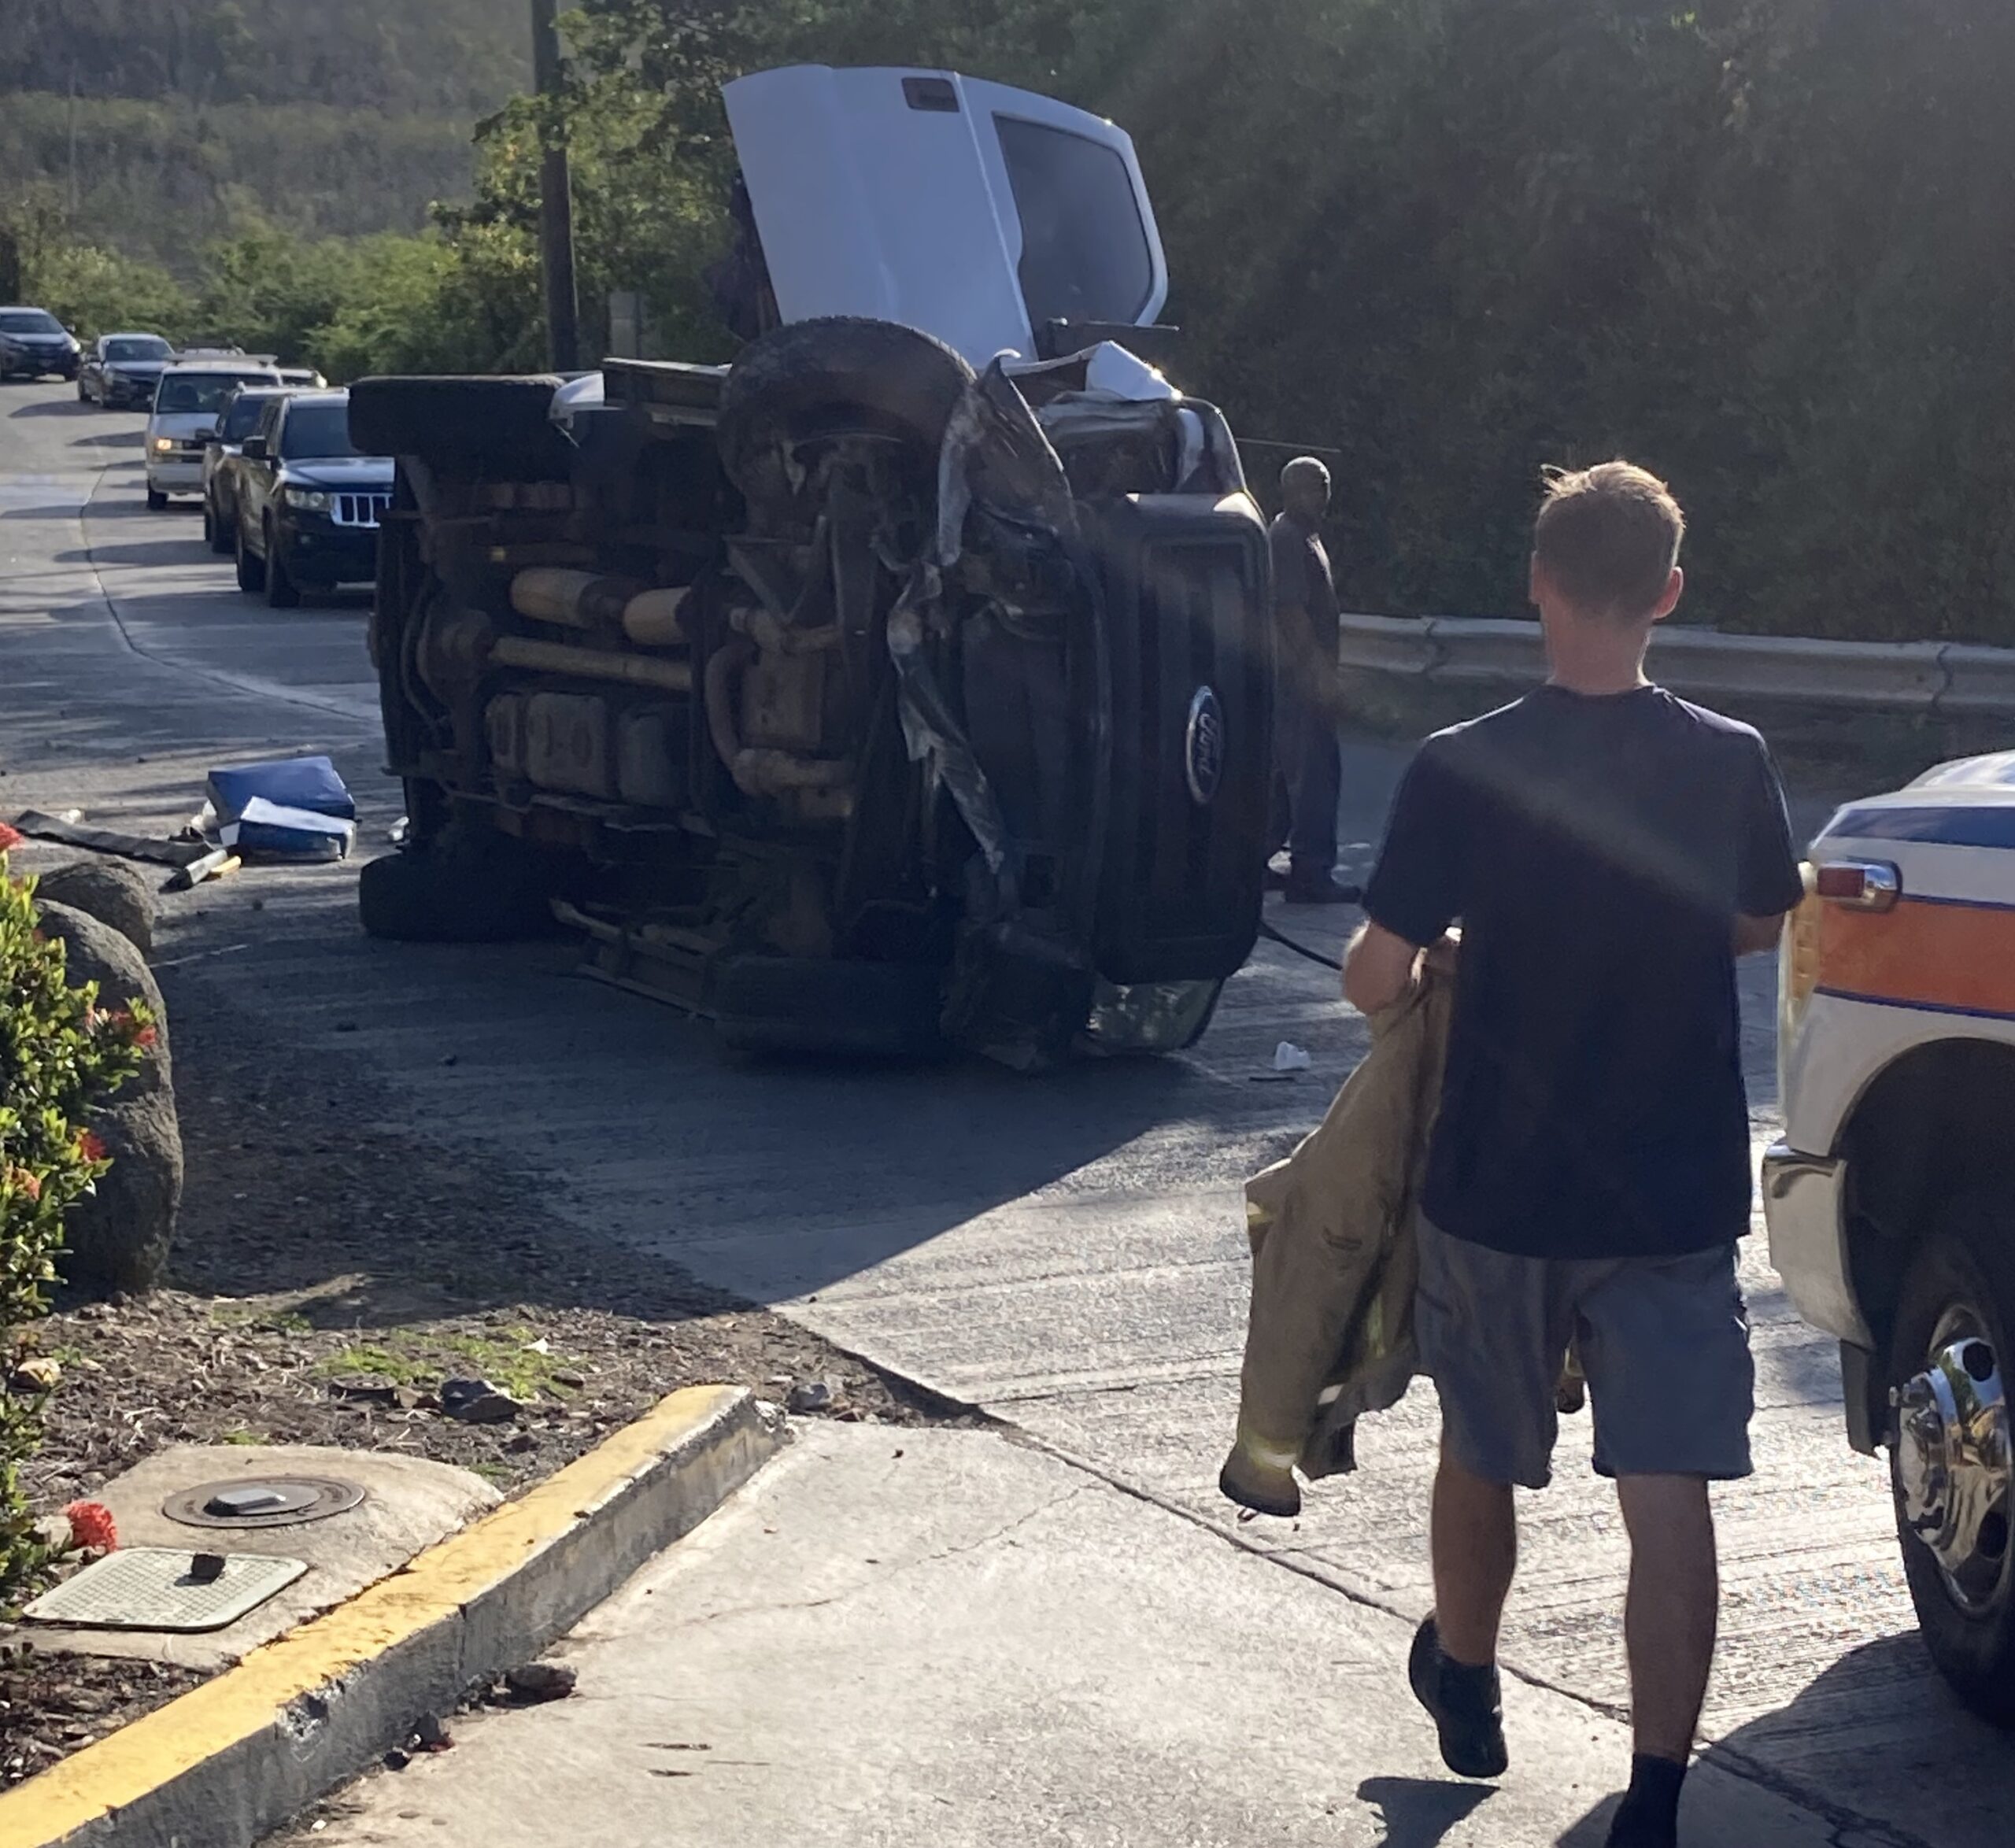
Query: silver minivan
186,402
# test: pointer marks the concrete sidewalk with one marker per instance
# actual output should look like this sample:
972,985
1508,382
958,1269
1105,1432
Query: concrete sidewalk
943,1639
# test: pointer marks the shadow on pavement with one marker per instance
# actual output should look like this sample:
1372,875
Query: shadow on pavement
53,408
1419,1812
139,551
1845,1736
1592,1830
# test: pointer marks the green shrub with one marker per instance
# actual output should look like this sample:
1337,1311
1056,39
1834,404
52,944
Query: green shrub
59,1056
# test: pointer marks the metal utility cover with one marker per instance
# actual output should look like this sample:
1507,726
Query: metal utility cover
153,1588
263,1501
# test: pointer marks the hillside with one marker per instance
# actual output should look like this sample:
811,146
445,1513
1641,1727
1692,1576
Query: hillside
164,123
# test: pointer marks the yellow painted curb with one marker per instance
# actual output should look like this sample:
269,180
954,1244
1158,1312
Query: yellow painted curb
244,1703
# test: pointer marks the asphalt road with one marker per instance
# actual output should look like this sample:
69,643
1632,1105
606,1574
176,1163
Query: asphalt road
1067,1252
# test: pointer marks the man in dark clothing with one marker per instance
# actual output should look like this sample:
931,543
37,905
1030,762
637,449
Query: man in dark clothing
1308,764
1609,851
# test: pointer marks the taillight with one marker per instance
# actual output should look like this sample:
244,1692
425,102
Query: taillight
1865,884
1848,884
1799,960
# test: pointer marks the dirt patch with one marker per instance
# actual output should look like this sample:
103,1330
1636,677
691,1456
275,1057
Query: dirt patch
330,1276
51,1707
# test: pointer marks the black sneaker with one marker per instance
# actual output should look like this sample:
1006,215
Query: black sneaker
1465,1703
1325,890
1632,1829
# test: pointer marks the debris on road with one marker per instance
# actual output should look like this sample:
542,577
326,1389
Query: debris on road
542,1681
1288,1057
273,831
219,862
142,847
291,809
309,784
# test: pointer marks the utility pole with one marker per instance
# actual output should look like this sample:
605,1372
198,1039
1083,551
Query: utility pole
556,202
73,144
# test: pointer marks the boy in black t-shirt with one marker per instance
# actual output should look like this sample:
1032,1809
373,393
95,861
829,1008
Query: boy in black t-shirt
1609,851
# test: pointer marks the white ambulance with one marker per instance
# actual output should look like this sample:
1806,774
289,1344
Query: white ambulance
1891,1198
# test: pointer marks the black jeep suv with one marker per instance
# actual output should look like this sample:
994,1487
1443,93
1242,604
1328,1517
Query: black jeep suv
307,503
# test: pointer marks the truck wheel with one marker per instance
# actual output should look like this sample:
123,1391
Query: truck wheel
501,428
840,373
460,889
251,569
281,592
155,499
1949,1462
799,1004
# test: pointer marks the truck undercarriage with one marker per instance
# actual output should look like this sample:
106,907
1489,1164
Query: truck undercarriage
846,696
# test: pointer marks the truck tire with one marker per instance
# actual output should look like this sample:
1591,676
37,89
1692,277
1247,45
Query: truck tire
281,592
1949,1363
500,427
842,372
155,499
251,567
460,889
794,1004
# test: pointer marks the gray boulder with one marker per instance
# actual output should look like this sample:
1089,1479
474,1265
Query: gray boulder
109,890
95,951
120,1237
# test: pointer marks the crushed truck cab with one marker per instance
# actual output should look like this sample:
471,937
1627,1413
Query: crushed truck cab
1892,1200
907,681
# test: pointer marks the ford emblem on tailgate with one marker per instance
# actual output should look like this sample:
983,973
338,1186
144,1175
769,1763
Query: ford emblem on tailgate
1203,746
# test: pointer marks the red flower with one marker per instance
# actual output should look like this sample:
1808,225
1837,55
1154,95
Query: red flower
89,1146
22,1181
92,1529
120,1023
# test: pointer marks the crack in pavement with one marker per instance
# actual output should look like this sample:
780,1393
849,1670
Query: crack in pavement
894,1568
1850,1828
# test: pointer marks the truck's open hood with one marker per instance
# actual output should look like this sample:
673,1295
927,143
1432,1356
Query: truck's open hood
977,212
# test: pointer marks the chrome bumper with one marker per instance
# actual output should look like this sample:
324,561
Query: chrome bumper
1803,1198
171,476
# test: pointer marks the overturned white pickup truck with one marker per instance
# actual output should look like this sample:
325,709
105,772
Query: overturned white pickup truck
907,680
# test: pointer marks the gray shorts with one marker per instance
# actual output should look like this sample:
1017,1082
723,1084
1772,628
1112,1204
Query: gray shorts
1664,1342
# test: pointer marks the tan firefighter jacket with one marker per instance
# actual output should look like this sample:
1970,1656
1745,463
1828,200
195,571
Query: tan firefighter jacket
1334,1261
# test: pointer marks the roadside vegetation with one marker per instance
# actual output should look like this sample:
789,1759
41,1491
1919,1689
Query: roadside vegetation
1758,244
60,1054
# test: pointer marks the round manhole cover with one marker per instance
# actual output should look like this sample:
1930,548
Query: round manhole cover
263,1501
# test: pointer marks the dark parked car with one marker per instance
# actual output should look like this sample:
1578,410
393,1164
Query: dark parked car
309,505
123,369
238,419
34,342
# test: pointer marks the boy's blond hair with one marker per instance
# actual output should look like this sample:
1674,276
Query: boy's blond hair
1608,537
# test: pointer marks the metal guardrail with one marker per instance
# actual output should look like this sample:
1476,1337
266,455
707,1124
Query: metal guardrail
1933,678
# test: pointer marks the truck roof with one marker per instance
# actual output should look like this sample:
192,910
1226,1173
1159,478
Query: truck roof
977,213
